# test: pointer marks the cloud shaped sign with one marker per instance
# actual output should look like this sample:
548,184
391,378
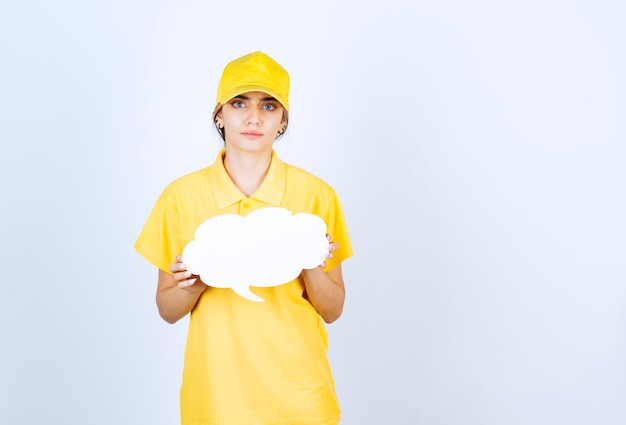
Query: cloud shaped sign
268,247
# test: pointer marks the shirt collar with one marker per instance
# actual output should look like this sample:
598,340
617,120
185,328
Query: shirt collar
227,193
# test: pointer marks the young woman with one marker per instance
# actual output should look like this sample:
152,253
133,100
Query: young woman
250,362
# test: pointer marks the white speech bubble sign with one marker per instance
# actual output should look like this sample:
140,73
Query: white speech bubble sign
268,247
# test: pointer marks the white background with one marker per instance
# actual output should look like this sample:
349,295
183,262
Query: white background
478,149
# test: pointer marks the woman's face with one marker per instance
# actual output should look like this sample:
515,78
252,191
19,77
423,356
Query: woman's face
251,121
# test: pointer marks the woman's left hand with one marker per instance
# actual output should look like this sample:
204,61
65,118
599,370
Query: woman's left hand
331,247
324,288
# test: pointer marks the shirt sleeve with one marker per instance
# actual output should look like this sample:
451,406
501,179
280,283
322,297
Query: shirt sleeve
160,239
337,228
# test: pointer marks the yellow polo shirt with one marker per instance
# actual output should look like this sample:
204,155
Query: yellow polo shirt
249,363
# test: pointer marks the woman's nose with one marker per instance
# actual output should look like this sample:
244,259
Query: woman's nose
253,118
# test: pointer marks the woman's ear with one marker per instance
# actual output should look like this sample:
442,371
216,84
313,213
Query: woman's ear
283,124
219,119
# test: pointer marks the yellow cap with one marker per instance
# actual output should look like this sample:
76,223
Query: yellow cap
254,72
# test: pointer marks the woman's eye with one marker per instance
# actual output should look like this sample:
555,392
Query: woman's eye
269,107
238,104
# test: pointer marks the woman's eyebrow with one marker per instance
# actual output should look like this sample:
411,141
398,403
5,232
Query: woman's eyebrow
263,99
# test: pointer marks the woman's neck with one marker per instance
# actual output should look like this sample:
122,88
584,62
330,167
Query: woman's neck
247,170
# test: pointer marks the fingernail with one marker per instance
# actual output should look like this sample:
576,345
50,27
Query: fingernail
187,273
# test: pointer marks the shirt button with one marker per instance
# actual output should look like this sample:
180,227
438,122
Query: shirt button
246,205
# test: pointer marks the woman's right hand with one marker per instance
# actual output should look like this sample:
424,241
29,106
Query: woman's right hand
183,277
173,303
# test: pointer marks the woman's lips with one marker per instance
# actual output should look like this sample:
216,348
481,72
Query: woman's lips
252,134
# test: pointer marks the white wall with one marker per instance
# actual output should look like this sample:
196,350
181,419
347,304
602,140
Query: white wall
478,149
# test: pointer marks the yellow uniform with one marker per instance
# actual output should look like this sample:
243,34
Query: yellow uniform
249,363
